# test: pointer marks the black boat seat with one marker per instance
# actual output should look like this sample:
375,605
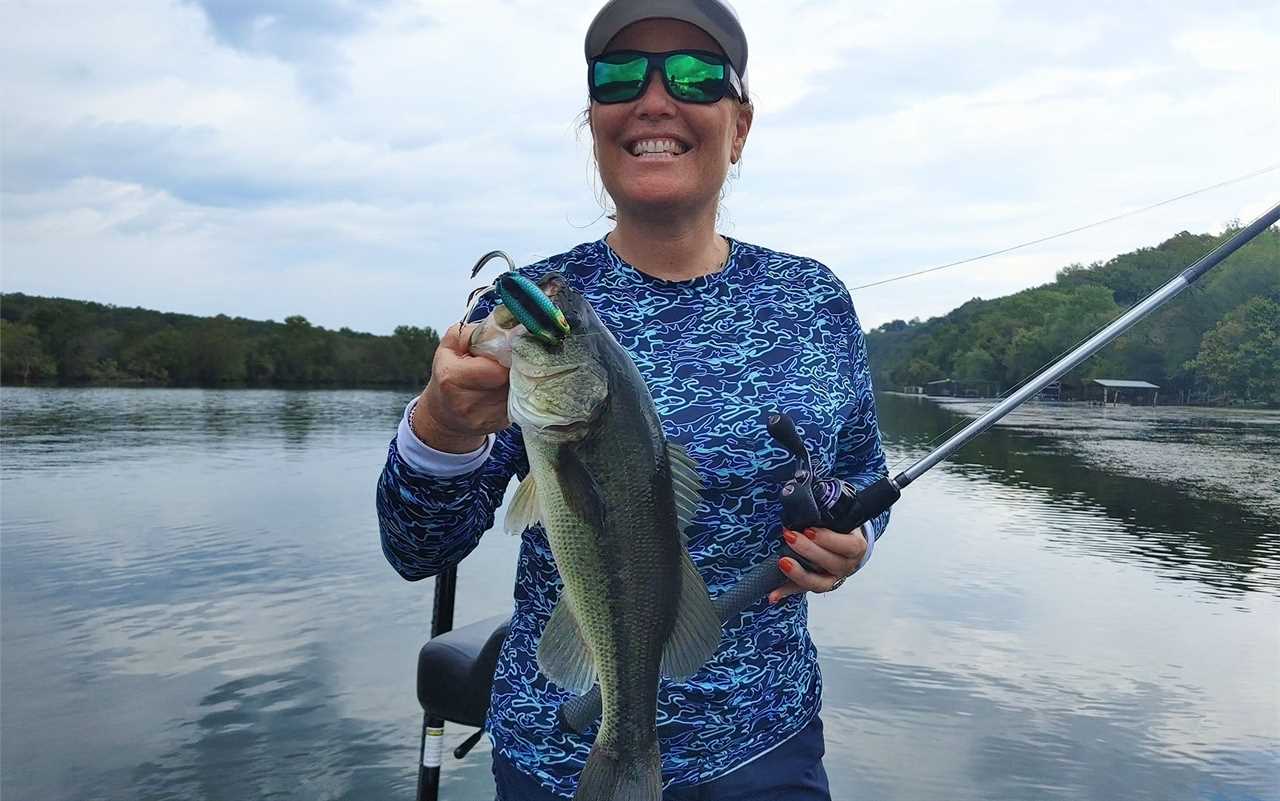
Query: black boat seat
455,670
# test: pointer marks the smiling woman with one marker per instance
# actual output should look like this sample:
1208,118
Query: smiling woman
722,332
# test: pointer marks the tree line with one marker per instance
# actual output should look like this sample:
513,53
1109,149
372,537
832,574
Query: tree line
1219,342
56,340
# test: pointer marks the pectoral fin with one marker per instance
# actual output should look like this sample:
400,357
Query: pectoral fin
562,653
685,485
524,510
696,633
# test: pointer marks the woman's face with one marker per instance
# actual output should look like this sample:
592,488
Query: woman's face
709,137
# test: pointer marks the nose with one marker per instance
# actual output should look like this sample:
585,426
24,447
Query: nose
655,103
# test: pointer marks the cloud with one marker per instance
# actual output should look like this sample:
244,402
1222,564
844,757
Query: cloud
348,161
305,33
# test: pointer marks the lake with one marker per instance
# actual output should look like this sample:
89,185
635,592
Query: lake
1083,604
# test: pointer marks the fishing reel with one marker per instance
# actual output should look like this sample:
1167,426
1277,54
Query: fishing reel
809,499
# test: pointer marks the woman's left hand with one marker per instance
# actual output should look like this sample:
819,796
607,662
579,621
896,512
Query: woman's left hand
836,555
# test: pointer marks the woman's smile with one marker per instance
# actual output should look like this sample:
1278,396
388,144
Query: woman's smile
658,149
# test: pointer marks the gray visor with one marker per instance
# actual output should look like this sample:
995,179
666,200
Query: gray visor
715,17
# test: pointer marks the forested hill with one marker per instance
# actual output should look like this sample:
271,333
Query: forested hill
54,340
1219,341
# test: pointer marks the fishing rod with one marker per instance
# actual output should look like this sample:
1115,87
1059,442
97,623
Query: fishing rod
810,500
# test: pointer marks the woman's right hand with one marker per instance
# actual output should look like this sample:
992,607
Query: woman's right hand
466,398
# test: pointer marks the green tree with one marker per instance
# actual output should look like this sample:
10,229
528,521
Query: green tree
976,365
22,354
1241,355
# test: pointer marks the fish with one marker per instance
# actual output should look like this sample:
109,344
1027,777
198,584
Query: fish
615,498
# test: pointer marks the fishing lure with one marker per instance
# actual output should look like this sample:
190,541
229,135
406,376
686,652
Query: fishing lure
523,299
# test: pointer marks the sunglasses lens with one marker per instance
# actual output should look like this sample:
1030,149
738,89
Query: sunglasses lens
615,81
694,79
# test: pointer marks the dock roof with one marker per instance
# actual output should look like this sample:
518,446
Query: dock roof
1113,383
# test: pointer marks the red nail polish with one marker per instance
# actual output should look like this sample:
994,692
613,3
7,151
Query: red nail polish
785,565
811,534
789,536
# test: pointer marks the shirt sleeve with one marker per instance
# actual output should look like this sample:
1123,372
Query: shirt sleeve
860,456
428,521
425,459
434,506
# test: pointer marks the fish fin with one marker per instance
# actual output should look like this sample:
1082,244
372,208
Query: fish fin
562,653
581,492
612,774
580,711
695,635
686,485
524,510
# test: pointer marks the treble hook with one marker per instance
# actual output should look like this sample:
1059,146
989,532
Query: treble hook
480,292
522,298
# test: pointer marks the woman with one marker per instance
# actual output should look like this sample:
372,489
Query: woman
722,331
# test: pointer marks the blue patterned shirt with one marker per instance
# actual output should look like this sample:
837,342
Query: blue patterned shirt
768,331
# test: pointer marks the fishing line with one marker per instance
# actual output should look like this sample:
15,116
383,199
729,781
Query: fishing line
1061,234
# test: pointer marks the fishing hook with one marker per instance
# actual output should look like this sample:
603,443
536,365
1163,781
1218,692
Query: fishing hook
480,292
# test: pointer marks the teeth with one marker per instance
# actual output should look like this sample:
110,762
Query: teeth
646,146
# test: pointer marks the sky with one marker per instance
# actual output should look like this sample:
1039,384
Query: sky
349,161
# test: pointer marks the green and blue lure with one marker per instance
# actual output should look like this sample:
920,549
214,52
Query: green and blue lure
529,304
525,300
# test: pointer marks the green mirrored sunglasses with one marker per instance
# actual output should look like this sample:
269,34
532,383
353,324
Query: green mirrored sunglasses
690,76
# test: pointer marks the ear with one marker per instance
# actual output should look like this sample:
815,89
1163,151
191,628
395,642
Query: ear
742,127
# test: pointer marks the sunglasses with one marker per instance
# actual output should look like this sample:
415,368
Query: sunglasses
690,76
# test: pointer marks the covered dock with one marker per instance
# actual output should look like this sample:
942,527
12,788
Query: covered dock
1114,389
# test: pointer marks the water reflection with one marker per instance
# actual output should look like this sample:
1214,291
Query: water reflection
1222,543
195,606
275,735
297,417
1017,743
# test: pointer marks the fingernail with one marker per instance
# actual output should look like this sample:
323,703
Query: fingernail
789,536
773,597
785,565
811,534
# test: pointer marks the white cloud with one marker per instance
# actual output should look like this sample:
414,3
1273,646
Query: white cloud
349,163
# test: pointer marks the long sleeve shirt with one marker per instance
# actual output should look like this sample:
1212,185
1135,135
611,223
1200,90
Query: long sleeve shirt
769,331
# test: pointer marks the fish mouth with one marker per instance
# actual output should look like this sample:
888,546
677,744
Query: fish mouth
551,425
542,373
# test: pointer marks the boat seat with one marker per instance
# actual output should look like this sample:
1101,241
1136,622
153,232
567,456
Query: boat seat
455,670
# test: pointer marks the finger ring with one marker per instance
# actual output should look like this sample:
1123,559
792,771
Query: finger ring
837,584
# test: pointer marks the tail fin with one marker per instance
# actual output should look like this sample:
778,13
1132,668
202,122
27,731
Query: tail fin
614,776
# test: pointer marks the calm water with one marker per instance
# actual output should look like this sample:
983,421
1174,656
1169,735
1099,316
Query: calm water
1084,605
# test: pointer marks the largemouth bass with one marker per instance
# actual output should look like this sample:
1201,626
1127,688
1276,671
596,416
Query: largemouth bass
614,497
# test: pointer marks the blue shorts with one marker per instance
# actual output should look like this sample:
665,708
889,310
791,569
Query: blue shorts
791,772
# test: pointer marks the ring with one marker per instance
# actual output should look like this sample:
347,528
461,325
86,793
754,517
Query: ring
836,586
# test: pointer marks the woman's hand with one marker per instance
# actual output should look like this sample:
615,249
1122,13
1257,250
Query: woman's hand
836,555
466,398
